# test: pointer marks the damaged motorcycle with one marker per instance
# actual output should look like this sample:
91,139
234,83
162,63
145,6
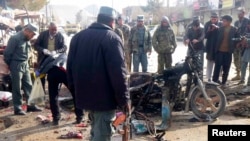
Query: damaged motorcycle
179,88
204,99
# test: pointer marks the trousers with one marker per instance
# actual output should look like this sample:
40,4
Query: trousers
223,61
140,57
164,61
21,80
101,125
243,72
55,77
210,68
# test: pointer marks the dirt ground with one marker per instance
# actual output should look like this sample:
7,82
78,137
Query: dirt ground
29,128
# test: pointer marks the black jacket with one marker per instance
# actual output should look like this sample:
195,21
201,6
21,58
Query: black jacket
211,37
42,43
198,35
96,69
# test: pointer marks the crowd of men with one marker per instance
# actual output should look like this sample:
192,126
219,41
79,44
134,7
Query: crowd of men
100,59
224,42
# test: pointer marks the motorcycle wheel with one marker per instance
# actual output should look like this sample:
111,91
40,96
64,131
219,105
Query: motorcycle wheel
201,107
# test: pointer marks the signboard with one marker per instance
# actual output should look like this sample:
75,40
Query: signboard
227,3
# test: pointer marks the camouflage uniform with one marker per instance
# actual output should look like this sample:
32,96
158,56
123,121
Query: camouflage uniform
164,44
119,33
140,50
126,31
241,25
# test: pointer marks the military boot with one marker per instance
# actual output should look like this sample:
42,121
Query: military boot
237,77
165,111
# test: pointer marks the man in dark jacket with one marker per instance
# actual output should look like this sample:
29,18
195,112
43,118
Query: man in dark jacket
194,39
96,70
48,43
211,31
224,49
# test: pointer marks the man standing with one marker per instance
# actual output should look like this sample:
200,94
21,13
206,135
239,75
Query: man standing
97,71
16,56
224,50
126,32
241,25
211,32
164,44
55,67
49,42
194,39
140,44
245,60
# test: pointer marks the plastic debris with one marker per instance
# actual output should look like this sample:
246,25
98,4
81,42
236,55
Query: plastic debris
140,126
72,135
82,125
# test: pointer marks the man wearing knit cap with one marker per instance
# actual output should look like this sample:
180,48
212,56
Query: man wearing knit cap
97,72
140,44
164,44
16,56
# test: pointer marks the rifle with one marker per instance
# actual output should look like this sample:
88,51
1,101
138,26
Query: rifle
241,38
127,127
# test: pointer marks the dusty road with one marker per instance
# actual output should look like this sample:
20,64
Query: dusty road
28,128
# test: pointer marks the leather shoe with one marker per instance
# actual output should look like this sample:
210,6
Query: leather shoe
33,109
55,122
21,113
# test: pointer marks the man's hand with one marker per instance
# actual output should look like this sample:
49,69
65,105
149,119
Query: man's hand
149,52
195,41
172,49
126,109
53,53
187,42
46,52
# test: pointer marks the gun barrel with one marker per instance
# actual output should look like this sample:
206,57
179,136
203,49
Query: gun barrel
240,39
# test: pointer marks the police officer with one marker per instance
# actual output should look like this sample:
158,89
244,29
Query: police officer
241,25
97,71
140,44
164,44
126,32
16,56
